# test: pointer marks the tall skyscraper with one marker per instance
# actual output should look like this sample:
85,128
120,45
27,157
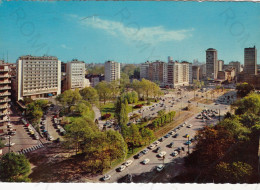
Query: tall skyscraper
211,63
250,61
38,77
112,71
75,74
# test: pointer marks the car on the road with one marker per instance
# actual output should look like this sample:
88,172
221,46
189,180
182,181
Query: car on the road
178,149
145,161
176,135
171,145
145,151
159,167
166,136
157,149
187,142
162,154
121,168
186,135
50,138
175,153
156,143
128,163
105,178
152,146
189,101
189,126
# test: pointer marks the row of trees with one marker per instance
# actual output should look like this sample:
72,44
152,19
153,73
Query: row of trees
227,152
99,149
35,109
162,120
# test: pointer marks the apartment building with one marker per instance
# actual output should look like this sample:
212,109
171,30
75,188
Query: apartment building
112,71
75,74
38,76
5,92
178,74
144,70
211,63
156,71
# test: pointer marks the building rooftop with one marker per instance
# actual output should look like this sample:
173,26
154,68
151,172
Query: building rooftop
29,57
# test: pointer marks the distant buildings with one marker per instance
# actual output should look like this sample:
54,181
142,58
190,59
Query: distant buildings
38,77
95,79
156,71
220,65
196,72
144,70
5,88
75,74
112,71
211,63
236,65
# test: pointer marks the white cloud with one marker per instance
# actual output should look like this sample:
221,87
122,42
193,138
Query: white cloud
64,46
133,32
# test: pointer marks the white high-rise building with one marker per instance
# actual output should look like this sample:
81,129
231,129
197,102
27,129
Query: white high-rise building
38,77
112,71
178,74
75,74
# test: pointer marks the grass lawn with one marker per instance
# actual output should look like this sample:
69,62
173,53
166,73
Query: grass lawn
108,108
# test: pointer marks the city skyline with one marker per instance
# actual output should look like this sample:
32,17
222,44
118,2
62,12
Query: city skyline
128,32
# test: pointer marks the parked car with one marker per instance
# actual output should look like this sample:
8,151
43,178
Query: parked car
160,167
145,151
163,153
175,153
121,168
157,149
106,177
152,146
171,145
186,136
187,142
145,161
128,162
176,135
189,126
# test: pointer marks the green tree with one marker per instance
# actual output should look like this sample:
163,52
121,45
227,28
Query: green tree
161,113
236,172
104,91
96,70
121,110
69,98
89,94
33,113
147,135
14,168
250,103
244,89
124,82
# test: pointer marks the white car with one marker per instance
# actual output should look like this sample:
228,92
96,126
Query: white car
145,161
189,126
128,162
121,168
160,167
106,177
163,153
152,146
175,153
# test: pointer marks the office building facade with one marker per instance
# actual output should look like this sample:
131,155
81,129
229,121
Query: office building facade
38,77
250,61
144,70
178,74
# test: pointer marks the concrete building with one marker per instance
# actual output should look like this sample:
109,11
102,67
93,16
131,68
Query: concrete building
178,74
203,71
228,74
75,74
112,71
95,79
236,65
196,72
5,92
250,61
220,65
156,71
144,70
38,77
211,63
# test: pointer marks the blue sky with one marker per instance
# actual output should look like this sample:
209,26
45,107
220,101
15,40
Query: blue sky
128,32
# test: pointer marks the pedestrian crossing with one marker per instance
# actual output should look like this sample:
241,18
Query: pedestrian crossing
30,149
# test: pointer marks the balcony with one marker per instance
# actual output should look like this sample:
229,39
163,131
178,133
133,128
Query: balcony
4,106
5,88
5,100
5,76
5,82
5,94
5,69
